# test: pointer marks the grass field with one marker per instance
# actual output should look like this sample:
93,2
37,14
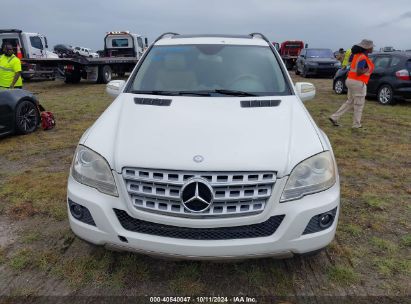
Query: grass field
370,255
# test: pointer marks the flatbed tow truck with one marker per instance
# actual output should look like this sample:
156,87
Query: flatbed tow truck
122,50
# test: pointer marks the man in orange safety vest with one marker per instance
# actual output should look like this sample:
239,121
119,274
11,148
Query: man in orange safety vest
357,80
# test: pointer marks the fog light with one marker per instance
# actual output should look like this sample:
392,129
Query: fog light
77,211
326,219
80,213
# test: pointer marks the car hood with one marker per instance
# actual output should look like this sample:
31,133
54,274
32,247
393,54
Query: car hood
229,137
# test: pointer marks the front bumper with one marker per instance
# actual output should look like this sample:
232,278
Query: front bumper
288,239
319,70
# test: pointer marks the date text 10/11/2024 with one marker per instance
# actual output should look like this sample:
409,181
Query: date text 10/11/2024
204,299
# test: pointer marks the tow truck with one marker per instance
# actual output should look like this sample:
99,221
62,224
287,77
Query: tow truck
289,52
122,50
30,46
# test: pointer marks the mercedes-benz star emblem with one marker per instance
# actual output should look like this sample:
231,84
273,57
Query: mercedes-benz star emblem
198,158
197,195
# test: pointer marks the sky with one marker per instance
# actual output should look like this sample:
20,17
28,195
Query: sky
320,23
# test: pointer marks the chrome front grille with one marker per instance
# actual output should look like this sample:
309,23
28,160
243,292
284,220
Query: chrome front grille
235,193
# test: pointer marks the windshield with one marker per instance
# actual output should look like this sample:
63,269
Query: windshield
320,54
212,70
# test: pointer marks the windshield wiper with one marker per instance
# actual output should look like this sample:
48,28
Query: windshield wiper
197,93
153,92
171,93
234,92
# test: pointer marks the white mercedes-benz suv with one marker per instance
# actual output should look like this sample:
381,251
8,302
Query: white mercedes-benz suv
206,153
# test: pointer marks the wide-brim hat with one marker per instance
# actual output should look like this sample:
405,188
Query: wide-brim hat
366,44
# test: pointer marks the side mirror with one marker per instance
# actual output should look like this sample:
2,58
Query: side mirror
305,90
115,87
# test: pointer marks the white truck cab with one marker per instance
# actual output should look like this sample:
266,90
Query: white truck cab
124,44
32,45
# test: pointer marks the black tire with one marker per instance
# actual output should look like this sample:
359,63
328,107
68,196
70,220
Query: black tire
72,78
339,86
26,78
385,95
297,72
104,74
304,72
27,117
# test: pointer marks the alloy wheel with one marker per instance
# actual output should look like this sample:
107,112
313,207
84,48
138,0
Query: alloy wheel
385,95
339,86
27,117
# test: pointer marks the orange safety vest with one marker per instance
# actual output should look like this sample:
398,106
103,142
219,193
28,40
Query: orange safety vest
352,74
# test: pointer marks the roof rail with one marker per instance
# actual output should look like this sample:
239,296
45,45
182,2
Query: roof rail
166,34
261,36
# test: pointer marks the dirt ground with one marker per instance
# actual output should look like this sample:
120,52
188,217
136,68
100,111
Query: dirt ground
370,256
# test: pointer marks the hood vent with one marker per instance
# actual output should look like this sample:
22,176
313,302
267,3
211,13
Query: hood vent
152,102
259,103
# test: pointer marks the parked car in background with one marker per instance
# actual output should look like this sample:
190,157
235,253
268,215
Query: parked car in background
316,62
64,50
86,52
19,112
387,49
390,80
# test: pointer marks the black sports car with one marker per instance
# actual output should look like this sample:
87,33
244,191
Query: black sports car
19,112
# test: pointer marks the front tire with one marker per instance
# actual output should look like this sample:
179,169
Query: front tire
339,86
385,95
297,72
73,78
27,117
104,74
304,72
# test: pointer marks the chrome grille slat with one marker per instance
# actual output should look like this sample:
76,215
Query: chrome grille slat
235,193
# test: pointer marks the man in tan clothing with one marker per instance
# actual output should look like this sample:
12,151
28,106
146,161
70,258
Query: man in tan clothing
357,79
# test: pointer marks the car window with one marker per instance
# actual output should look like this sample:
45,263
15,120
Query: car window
174,68
395,61
382,62
120,42
409,65
36,43
320,54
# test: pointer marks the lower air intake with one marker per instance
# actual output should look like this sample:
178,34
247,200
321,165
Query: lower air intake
263,229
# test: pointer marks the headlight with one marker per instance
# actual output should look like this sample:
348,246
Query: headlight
312,175
92,170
